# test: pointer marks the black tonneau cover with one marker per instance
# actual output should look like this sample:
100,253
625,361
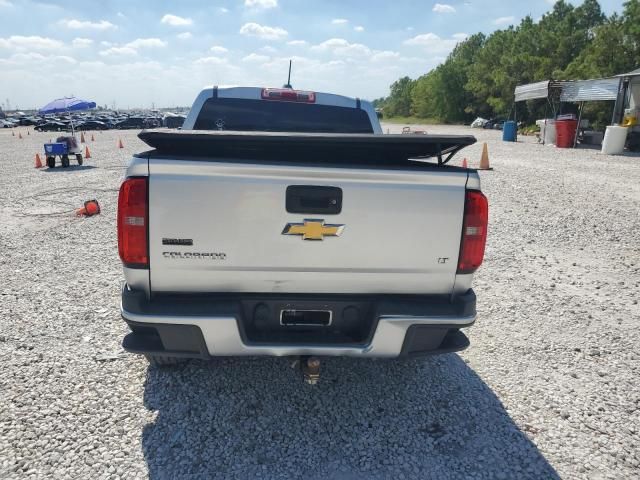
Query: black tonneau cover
368,149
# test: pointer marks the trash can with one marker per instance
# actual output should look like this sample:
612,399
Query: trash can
566,133
547,131
614,139
509,131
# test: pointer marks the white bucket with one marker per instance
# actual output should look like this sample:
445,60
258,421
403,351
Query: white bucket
614,139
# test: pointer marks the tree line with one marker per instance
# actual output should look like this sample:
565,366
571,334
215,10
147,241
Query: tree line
479,76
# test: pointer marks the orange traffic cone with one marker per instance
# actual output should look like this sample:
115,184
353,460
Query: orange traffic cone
87,153
81,137
38,161
464,163
120,145
90,208
484,159
92,139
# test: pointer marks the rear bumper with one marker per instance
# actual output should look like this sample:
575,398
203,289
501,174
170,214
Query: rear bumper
202,326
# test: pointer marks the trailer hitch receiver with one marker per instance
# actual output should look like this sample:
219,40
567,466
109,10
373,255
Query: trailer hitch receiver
310,367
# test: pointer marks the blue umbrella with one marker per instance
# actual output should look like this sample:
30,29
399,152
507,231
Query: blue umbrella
66,104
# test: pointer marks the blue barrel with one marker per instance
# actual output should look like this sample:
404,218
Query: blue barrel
509,131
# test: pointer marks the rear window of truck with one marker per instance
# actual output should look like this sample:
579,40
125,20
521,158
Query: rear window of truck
237,114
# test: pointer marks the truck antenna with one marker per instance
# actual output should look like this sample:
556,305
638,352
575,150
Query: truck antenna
288,85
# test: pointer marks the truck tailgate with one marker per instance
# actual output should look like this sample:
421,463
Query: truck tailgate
219,227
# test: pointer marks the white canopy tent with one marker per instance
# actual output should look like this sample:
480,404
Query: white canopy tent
628,94
575,91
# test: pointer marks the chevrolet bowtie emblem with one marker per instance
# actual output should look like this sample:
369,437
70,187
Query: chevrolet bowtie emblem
313,230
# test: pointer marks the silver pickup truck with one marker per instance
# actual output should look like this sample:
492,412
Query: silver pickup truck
284,222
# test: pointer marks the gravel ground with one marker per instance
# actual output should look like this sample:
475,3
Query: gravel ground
548,389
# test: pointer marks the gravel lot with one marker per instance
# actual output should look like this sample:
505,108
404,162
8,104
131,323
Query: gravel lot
549,387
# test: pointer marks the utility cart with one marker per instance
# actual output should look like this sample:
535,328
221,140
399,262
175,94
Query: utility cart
63,147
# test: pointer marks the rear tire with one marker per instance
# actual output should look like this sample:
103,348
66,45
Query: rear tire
65,161
51,162
79,159
161,361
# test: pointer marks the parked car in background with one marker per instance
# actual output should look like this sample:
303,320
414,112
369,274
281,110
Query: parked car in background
494,124
92,125
131,123
51,127
29,121
174,121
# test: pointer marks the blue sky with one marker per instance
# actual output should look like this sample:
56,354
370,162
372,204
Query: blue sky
139,53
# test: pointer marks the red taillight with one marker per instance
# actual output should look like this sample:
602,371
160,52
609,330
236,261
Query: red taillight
287,95
133,221
474,232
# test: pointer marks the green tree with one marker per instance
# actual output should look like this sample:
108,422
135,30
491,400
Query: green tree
481,73
399,101
631,31
441,94
605,55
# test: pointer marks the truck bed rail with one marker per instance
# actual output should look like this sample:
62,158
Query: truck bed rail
335,148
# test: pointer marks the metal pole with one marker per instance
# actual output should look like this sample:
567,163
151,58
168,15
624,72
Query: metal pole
618,108
544,134
71,120
575,138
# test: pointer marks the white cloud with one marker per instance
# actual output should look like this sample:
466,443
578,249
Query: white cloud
175,20
218,49
263,31
5,3
339,21
504,20
359,28
25,57
443,8
254,57
280,64
223,10
263,4
419,60
146,43
19,42
104,43
184,36
342,48
210,61
433,43
74,24
119,52
121,15
297,43
66,59
384,56
81,42
460,36
268,49
36,58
